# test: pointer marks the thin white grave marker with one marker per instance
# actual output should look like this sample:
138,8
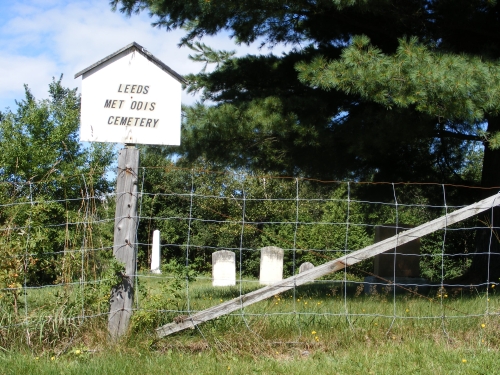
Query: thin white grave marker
155,255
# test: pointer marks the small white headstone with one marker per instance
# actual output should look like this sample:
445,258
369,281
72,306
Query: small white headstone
271,265
305,266
223,268
155,255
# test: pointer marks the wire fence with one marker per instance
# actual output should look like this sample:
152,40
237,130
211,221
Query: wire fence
57,267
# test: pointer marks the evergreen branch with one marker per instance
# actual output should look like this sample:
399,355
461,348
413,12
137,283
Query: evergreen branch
208,55
451,86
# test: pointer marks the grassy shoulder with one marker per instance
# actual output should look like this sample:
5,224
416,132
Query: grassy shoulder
420,356
314,328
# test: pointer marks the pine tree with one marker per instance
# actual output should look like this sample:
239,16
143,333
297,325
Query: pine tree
382,89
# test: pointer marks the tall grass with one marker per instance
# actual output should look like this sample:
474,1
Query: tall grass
320,327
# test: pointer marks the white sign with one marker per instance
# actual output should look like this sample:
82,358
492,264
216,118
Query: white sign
131,97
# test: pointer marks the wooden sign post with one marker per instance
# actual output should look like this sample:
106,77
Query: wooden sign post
129,97
124,246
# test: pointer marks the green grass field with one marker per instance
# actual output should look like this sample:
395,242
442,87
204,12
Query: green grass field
314,329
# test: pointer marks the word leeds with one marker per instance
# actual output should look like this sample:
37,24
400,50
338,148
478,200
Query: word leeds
134,105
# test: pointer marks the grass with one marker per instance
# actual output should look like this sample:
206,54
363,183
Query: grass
299,332
183,357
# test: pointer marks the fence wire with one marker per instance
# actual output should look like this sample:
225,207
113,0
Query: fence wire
56,258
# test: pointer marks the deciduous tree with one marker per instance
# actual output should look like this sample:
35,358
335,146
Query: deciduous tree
45,177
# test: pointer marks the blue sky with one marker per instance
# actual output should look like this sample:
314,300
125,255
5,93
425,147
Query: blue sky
41,39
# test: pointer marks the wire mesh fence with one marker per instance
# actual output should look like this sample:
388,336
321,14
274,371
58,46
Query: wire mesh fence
57,266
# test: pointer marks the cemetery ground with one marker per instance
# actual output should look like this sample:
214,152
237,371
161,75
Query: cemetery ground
298,332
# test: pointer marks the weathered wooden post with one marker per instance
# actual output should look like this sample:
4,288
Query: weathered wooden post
129,97
124,246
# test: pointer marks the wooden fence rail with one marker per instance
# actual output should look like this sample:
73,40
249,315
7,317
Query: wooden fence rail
324,269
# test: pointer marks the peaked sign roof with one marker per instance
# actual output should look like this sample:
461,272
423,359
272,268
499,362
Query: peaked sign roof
142,51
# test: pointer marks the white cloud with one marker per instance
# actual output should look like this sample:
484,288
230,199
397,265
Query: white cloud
35,71
44,38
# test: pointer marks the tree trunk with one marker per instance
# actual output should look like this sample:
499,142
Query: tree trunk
485,267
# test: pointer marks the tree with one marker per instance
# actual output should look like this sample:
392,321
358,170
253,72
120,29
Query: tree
45,174
371,89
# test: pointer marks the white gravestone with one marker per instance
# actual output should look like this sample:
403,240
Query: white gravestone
305,267
271,265
223,268
155,255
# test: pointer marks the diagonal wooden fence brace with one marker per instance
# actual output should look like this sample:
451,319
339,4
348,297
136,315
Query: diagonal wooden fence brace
332,266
